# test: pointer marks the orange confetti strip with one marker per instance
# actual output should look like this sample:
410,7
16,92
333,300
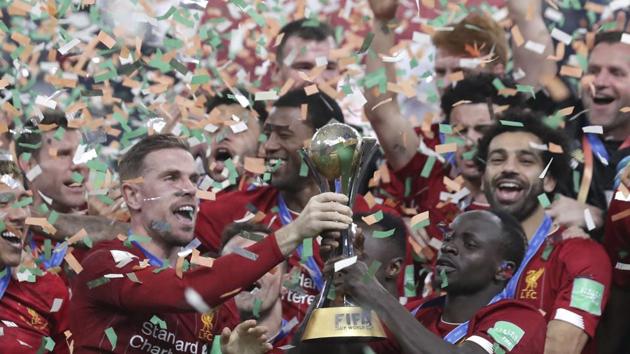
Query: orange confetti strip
571,71
370,219
229,294
197,259
254,165
206,195
556,149
179,267
369,199
311,90
419,218
286,87
566,111
73,263
625,109
456,76
77,237
446,148
620,215
517,36
43,223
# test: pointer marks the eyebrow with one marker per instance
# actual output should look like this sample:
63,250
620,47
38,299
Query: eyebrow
277,127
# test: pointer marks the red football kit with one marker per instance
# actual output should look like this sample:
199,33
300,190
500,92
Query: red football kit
617,241
121,304
261,205
31,312
569,280
515,326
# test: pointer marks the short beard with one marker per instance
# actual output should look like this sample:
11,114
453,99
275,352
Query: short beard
521,211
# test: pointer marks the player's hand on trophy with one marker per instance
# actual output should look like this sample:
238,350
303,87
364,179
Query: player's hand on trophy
324,212
355,281
384,9
246,338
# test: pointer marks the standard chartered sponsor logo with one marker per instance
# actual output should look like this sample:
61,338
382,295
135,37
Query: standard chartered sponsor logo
156,340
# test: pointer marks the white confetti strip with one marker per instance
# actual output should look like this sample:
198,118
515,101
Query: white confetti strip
544,172
345,263
590,224
535,47
561,36
56,305
33,173
593,129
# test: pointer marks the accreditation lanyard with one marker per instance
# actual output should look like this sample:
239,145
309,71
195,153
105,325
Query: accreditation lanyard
509,291
592,145
4,281
153,259
285,219
56,257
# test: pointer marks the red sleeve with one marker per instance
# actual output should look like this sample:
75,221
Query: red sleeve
227,274
585,284
617,243
209,225
228,316
516,326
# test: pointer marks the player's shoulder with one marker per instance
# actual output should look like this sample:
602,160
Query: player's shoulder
513,311
239,199
104,254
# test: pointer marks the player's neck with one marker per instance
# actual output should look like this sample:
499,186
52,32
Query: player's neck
154,246
532,222
461,308
619,133
297,199
38,201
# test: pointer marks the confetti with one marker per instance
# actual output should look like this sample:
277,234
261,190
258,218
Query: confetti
373,218
345,263
384,233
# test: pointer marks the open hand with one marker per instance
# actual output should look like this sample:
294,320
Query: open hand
246,338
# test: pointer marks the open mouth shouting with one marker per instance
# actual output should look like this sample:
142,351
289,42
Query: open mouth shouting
74,186
12,238
509,191
221,154
185,213
274,163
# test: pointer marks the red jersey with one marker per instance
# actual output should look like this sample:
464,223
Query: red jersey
145,309
516,326
261,205
29,312
617,242
569,280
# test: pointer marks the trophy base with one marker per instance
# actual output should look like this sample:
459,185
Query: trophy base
343,324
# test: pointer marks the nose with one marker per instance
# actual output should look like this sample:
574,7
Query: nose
602,79
271,145
17,216
448,248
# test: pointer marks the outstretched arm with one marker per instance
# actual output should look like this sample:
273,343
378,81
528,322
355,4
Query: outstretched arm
527,15
395,133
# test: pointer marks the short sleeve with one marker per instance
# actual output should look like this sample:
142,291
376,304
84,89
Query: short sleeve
515,326
585,285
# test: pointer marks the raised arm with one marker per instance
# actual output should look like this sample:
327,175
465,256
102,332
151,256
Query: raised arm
395,133
527,15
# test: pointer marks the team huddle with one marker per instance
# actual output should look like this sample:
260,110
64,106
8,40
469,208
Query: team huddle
499,225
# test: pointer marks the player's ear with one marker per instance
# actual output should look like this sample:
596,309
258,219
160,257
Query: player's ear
549,183
505,271
132,194
26,165
394,268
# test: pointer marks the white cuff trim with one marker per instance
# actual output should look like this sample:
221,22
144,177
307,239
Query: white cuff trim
570,317
622,266
482,342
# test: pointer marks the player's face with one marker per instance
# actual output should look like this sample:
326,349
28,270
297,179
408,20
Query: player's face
473,120
59,179
470,255
306,54
166,196
13,217
511,179
609,91
266,290
286,133
226,144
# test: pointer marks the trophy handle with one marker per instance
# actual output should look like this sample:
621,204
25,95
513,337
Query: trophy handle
369,146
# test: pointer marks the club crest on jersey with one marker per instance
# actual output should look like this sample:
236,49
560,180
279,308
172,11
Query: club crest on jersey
36,320
207,321
531,284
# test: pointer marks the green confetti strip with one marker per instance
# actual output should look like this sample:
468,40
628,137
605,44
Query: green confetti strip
367,42
59,133
511,123
158,322
428,166
383,234
216,345
443,279
446,129
372,269
97,282
307,249
77,177
111,336
544,200
547,251
48,345
47,248
410,281
256,309
303,169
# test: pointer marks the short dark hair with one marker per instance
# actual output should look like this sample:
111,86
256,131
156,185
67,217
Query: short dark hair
227,98
609,37
389,221
514,239
529,122
240,228
305,28
30,137
132,162
479,88
321,108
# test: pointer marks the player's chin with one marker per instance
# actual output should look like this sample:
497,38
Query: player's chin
11,258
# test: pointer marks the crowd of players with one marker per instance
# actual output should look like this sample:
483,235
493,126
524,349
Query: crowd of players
525,247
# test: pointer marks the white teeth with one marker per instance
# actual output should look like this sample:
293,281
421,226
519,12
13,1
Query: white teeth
508,185
10,236
186,208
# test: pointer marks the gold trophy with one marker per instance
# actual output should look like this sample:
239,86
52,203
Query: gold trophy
338,159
